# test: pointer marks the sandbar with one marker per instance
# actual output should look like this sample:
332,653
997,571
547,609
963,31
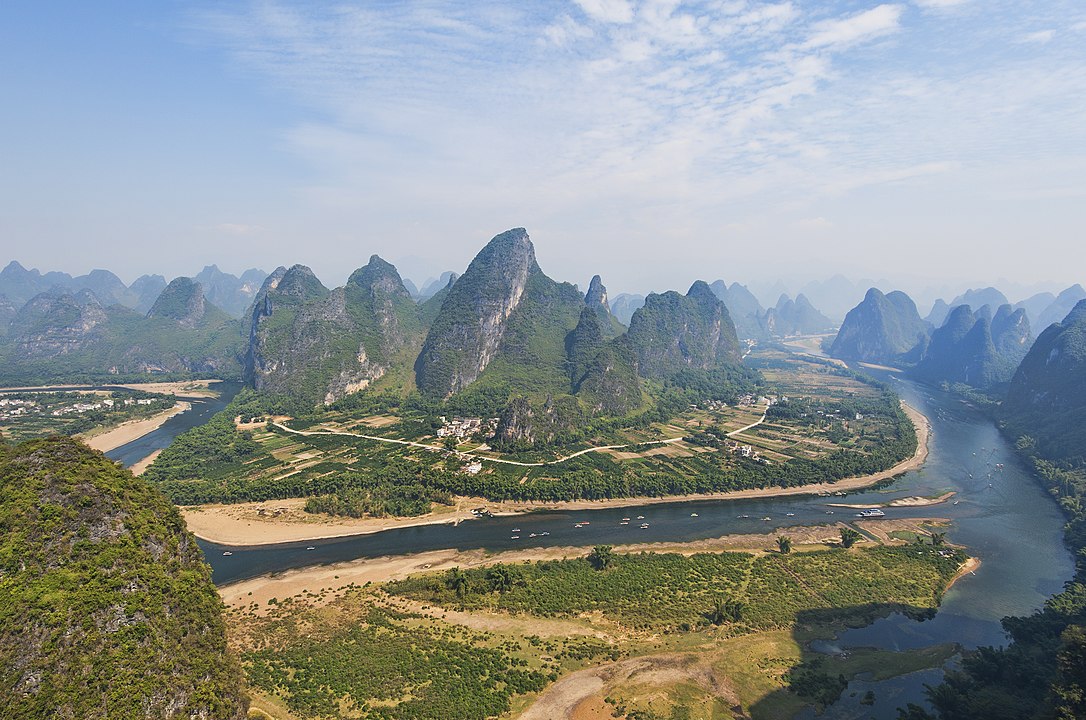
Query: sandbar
132,430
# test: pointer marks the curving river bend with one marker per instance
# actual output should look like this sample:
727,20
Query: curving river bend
1013,527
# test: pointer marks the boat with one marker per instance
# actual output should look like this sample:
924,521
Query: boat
585,522
514,537
743,517
227,553
624,522
644,525
516,529
872,513
311,548
640,517
789,514
957,501
693,514
578,526
829,512
766,519
544,533
532,535
625,519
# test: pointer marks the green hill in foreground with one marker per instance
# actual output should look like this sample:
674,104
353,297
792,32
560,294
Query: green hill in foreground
106,606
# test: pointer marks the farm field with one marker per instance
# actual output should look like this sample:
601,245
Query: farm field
813,422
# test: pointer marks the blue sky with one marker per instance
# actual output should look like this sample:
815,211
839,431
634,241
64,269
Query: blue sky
654,142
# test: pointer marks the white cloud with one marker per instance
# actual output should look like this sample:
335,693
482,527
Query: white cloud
612,11
1040,37
862,26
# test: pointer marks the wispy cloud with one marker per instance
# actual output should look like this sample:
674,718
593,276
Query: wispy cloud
652,115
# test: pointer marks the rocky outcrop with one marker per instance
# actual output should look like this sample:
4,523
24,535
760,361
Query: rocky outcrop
317,345
674,332
882,329
469,328
521,426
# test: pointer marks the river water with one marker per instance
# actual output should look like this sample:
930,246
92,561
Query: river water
1006,520
158,439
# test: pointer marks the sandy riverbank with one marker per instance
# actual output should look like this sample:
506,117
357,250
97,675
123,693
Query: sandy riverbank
132,430
336,577
183,389
911,501
245,524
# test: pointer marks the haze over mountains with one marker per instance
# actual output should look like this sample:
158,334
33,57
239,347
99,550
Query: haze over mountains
504,324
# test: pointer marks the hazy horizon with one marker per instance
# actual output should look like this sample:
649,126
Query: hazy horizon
936,144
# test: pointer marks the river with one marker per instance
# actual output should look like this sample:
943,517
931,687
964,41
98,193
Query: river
158,439
1007,521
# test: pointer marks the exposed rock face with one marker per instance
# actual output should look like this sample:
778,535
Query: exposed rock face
182,301
1047,396
469,328
672,332
56,323
522,426
792,317
318,345
881,329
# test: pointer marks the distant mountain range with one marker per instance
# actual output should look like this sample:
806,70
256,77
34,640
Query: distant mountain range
232,294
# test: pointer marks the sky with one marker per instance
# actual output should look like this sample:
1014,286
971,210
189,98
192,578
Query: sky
937,142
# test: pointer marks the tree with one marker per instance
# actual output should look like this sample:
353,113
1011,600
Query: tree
457,581
502,578
850,537
784,544
602,557
938,538
726,610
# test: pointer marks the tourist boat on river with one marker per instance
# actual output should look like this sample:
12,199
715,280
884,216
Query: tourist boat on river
872,513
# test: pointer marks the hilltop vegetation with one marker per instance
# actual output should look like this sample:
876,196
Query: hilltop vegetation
106,605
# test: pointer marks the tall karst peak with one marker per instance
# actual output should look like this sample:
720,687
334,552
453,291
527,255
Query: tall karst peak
468,330
597,293
182,301
882,328
325,344
672,332
379,274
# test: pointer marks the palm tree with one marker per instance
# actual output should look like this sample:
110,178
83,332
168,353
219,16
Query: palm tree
726,610
849,537
602,557
784,544
938,538
502,578
457,581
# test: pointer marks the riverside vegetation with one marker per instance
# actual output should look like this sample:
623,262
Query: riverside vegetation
301,653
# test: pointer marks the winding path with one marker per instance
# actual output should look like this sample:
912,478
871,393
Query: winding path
439,448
